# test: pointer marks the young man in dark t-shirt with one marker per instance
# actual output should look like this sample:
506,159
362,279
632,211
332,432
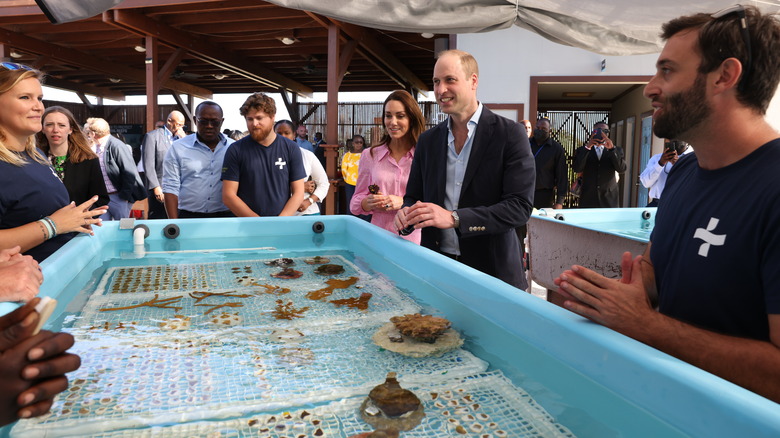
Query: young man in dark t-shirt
263,173
713,262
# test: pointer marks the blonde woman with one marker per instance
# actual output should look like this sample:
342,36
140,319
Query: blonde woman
35,210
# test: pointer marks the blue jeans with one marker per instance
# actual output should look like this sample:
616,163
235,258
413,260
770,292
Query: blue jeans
118,208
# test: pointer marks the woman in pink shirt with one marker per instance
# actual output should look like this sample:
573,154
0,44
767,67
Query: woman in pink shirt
385,166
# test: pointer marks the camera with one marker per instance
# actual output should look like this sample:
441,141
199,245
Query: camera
678,146
599,133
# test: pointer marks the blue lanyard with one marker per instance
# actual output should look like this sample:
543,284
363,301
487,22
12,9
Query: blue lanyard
539,150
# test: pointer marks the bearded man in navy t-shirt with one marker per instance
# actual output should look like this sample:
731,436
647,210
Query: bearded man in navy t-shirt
713,262
263,173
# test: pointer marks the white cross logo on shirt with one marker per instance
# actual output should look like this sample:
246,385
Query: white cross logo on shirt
280,163
709,237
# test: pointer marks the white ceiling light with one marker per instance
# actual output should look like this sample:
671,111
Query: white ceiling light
219,76
140,49
14,54
426,35
288,40
115,80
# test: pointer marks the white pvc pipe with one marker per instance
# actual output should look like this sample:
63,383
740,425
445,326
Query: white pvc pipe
138,236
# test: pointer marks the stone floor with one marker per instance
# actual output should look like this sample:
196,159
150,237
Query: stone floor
538,291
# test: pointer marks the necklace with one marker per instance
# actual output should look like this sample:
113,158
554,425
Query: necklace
58,164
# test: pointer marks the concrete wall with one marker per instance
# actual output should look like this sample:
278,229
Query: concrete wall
509,57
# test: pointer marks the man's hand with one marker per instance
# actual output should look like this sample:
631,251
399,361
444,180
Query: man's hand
304,205
608,143
427,214
20,276
592,141
622,305
309,187
669,155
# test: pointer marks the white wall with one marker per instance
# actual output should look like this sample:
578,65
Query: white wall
508,58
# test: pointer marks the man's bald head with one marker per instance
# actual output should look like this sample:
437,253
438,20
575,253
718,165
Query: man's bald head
175,121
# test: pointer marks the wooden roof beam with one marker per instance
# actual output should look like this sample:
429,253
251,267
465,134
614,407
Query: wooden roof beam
232,16
77,87
203,49
374,52
91,62
370,44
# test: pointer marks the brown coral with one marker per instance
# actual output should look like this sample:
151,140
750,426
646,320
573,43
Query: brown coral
424,328
287,273
281,263
329,269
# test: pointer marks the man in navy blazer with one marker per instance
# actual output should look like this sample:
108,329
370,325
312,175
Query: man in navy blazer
153,148
472,178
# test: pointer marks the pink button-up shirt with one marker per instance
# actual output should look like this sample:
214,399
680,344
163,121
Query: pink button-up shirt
391,177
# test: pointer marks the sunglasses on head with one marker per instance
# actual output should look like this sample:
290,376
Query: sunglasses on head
14,66
739,10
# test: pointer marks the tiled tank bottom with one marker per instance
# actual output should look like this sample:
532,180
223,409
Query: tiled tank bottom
239,371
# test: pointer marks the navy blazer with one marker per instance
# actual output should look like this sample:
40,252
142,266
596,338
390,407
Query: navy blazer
122,171
496,196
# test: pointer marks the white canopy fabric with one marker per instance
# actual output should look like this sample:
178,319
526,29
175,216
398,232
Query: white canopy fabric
608,27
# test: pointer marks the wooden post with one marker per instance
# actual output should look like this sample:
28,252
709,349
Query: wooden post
332,111
152,83
331,158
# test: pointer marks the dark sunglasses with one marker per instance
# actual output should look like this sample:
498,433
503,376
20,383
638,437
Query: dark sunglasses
208,122
14,66
743,29
602,130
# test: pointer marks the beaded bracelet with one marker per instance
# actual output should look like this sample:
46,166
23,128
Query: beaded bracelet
44,228
53,226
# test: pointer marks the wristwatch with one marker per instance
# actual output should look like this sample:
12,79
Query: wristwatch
456,218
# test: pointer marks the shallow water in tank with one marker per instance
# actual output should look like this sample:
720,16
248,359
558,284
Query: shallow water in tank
200,349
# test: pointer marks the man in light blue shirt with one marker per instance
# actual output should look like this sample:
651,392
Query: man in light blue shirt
301,133
192,169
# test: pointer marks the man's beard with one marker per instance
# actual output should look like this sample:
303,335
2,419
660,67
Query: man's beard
260,134
683,111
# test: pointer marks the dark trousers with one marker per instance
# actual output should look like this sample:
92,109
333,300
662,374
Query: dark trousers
349,191
544,198
184,214
156,208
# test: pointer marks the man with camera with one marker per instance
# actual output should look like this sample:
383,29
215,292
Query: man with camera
598,161
659,166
